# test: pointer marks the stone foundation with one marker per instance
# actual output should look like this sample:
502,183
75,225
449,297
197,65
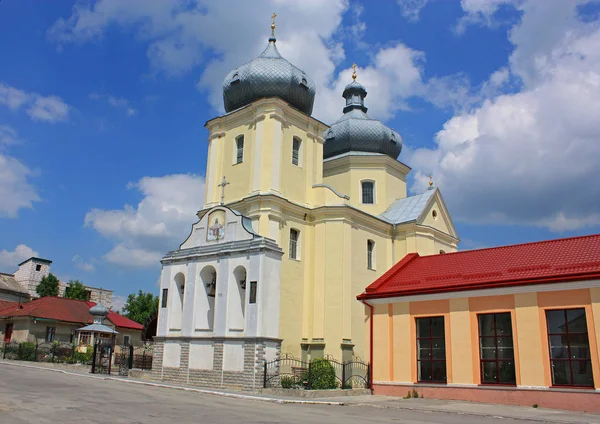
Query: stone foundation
237,363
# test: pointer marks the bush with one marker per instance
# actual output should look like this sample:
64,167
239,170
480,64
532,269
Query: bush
322,375
27,351
83,357
288,381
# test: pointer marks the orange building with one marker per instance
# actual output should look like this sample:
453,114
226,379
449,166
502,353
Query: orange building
515,325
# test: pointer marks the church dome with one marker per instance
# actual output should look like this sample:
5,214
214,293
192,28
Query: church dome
269,75
98,310
356,132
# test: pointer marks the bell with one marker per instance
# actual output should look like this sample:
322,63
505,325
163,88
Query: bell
212,285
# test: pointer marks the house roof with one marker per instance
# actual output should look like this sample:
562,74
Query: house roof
66,310
34,258
8,283
409,208
560,260
5,304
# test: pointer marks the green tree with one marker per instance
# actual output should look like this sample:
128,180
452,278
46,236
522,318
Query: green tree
76,290
139,307
48,286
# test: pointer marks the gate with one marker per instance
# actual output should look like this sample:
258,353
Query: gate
102,358
289,372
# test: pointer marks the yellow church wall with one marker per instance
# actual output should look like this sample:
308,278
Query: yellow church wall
381,370
460,341
595,307
529,338
395,186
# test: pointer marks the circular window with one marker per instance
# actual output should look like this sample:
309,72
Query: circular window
434,214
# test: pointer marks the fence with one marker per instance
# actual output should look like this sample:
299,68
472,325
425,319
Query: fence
44,352
325,373
139,357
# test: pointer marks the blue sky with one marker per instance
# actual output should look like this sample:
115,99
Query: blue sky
103,105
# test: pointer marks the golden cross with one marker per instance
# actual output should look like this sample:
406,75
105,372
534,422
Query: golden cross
273,16
430,180
354,71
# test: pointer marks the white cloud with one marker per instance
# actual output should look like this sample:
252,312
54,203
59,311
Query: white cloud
529,157
412,8
8,135
16,190
83,265
14,257
118,302
116,102
41,108
159,223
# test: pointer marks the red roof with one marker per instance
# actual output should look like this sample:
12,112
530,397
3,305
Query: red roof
4,304
66,310
560,260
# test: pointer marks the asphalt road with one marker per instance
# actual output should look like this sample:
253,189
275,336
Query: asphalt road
42,396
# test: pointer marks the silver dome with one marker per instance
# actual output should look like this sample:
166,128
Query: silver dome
269,75
356,132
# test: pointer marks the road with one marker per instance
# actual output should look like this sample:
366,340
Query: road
42,396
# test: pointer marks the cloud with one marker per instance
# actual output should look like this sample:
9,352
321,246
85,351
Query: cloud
118,302
411,8
159,223
116,102
528,157
83,265
12,258
40,108
8,136
16,191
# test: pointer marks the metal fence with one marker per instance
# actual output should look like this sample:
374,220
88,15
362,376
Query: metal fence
289,372
43,352
139,357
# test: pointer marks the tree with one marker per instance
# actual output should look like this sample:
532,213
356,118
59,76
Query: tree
139,307
76,290
48,286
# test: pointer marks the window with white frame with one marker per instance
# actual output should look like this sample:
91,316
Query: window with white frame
125,340
296,144
294,240
368,192
239,146
370,254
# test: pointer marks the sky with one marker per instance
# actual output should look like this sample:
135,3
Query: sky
103,104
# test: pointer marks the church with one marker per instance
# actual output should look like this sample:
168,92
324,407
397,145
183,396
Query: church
299,217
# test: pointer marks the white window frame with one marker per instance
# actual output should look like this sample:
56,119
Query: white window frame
236,149
371,258
299,156
296,247
362,197
126,340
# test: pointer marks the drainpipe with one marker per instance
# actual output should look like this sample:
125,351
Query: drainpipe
393,250
371,308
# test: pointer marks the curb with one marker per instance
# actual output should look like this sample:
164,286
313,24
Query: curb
188,389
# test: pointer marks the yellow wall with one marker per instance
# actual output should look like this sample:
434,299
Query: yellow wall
395,335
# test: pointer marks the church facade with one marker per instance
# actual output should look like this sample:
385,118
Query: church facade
312,213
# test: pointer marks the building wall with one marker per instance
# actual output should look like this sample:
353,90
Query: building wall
29,277
395,346
31,330
96,294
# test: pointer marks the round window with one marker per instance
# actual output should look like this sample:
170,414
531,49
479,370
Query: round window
434,214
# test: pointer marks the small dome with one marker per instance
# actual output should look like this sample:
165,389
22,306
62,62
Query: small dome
99,310
269,75
356,132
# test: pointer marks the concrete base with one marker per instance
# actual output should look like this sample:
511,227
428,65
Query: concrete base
567,399
313,394
140,375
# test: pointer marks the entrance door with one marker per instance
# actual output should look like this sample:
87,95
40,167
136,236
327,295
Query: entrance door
8,330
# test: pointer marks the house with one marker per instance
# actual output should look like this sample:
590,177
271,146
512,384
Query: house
22,284
515,324
55,319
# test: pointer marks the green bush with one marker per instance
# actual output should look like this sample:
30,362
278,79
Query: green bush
83,358
322,375
288,381
27,351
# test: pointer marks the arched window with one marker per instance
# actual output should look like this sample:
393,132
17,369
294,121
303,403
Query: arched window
236,309
296,144
368,192
294,241
239,145
176,303
370,254
204,304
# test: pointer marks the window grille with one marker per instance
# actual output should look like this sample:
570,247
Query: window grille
296,152
368,192
294,235
496,352
240,149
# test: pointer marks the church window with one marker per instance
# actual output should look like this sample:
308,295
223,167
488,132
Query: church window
239,144
370,253
165,296
496,352
569,348
38,267
304,82
442,252
294,238
253,288
368,192
434,214
296,151
431,350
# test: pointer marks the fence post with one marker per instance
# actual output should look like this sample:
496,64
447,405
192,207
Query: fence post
110,352
369,377
344,375
309,383
143,359
94,358
35,352
130,360
265,376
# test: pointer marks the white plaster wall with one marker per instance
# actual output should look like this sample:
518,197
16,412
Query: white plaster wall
204,305
175,300
201,355
270,351
172,354
268,295
233,356
162,327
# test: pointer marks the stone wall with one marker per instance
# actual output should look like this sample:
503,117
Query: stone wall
96,294
29,277
250,378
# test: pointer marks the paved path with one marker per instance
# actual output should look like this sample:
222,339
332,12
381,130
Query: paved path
29,395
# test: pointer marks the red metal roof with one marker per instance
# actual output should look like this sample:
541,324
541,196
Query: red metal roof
67,310
4,304
560,260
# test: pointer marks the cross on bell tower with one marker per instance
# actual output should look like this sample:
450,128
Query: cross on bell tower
223,183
